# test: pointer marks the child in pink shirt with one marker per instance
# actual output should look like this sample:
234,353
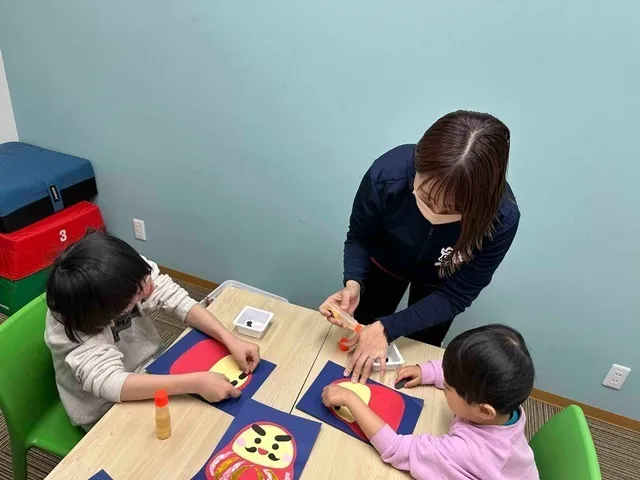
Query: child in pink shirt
486,374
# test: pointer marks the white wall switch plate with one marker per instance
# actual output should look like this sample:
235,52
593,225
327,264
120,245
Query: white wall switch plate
616,377
138,229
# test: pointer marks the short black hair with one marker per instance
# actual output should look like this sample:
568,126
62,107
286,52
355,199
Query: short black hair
93,281
492,365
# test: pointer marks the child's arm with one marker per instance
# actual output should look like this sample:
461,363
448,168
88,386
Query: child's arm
336,396
247,354
424,456
427,374
172,298
213,387
432,373
97,365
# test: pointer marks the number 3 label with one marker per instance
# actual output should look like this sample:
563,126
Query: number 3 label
63,235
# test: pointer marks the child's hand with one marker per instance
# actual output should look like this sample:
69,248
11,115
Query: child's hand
336,396
412,373
246,354
214,387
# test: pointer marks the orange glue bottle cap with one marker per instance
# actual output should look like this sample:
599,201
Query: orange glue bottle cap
161,398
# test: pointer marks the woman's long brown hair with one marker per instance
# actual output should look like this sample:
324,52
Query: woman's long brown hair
463,157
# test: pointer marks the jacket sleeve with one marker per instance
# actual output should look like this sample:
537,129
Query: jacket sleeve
424,456
457,293
97,365
167,295
363,225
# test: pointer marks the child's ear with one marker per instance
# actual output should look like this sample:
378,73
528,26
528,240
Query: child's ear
486,411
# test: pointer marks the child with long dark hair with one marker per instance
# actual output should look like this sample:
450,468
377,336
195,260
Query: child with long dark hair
100,293
486,374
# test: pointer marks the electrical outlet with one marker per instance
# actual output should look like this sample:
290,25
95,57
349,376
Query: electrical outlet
616,377
138,229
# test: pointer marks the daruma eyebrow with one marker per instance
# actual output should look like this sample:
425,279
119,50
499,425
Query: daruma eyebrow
258,430
282,438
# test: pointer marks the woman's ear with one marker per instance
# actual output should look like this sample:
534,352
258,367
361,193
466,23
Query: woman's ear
486,411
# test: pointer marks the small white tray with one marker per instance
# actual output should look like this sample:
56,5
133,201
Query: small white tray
394,359
253,321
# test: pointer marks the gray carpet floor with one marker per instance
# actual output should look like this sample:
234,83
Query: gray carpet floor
618,449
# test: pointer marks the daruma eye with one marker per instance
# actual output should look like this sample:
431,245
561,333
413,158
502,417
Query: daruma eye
258,441
275,446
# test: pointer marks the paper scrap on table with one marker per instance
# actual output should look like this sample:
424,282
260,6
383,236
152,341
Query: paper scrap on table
197,352
262,443
398,410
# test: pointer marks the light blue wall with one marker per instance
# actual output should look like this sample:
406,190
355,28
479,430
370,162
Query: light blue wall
239,134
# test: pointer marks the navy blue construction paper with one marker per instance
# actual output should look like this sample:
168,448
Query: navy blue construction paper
304,432
162,366
101,475
311,402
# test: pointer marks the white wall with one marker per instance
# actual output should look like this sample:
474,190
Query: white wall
8,130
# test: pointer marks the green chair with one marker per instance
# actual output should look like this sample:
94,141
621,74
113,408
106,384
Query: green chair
29,399
563,448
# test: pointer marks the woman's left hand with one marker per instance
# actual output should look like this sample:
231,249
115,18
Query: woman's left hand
370,344
246,354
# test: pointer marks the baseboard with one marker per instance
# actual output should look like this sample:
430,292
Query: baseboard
200,282
589,411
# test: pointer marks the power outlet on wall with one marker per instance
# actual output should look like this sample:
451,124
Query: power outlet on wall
139,231
616,377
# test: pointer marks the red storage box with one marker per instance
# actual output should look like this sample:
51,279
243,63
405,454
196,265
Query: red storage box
35,247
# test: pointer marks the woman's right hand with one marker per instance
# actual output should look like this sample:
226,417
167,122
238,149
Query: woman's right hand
347,299
214,387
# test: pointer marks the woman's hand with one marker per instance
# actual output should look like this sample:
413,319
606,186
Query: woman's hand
413,375
370,344
246,354
336,396
347,299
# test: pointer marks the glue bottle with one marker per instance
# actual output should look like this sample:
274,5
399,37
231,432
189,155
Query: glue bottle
347,322
163,418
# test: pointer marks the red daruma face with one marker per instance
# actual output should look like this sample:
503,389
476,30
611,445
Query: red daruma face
214,356
261,451
386,403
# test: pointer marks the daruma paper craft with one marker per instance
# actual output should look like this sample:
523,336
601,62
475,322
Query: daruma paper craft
398,410
262,443
197,352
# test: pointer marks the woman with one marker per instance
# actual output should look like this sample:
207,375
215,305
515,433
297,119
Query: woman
438,216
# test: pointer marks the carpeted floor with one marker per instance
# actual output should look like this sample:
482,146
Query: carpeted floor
617,448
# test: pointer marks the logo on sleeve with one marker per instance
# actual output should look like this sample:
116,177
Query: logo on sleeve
445,258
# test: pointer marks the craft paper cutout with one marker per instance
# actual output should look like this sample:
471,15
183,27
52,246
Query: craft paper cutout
101,475
398,410
262,443
197,352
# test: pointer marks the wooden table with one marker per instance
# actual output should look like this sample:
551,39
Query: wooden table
299,342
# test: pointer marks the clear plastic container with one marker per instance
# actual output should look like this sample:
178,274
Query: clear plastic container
253,321
242,286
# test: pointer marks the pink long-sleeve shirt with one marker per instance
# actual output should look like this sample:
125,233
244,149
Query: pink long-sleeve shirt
468,451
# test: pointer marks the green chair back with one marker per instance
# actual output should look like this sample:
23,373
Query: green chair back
563,448
28,395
